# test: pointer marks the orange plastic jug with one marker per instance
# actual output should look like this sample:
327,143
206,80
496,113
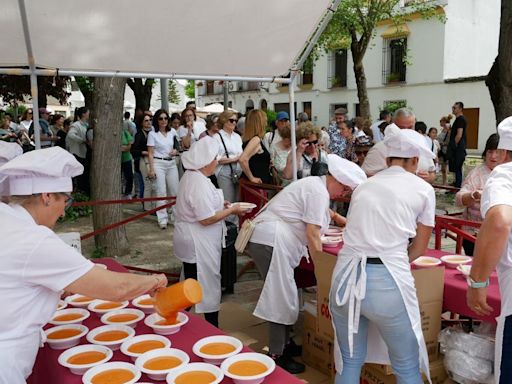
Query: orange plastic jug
169,301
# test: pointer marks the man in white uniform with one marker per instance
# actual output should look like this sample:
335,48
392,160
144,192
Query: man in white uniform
493,249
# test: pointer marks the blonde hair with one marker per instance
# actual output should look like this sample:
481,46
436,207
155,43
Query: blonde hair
446,119
224,117
255,124
307,129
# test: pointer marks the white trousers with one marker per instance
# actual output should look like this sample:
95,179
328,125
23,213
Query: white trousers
166,184
148,184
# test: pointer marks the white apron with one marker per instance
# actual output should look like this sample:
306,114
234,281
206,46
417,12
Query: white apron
505,281
205,242
279,299
398,266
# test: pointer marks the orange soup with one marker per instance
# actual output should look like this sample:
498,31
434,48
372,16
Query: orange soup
146,302
166,322
195,377
88,357
82,299
111,336
217,348
162,363
68,317
113,376
144,346
64,333
122,317
247,368
108,305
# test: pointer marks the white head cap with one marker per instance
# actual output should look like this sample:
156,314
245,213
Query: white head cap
505,132
391,129
9,151
202,153
43,170
407,143
344,171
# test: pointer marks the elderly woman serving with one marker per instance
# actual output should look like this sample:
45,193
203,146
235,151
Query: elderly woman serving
294,218
36,265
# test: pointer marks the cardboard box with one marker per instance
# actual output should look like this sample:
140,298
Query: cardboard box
429,288
317,350
370,375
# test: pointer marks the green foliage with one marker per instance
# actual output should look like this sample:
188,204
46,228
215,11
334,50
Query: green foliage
14,88
16,110
174,96
85,83
392,106
98,253
190,89
73,213
271,116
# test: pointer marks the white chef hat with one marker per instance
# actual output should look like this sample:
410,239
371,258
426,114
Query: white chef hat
9,151
407,143
202,153
391,129
42,170
344,171
505,132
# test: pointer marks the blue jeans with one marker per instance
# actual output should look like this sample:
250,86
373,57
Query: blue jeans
384,307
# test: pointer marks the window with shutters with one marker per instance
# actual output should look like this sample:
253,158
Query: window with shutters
394,53
337,74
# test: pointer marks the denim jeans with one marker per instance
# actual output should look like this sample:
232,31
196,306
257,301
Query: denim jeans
384,307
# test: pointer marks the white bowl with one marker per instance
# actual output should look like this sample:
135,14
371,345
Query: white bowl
464,269
115,344
256,379
150,321
86,379
453,261
216,371
84,314
144,308
79,369
62,304
331,241
93,306
162,352
217,359
67,342
71,300
103,266
126,311
137,339
426,262
334,231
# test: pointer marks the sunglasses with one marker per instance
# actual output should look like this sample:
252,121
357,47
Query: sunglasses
161,118
232,121
314,142
147,120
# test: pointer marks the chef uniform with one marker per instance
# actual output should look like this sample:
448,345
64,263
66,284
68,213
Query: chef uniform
35,264
383,215
8,151
498,191
195,243
281,227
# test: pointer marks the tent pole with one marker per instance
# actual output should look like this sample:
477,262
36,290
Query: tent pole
164,93
225,89
291,96
35,110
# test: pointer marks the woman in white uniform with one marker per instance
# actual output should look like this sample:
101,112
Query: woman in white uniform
294,219
373,296
36,265
198,231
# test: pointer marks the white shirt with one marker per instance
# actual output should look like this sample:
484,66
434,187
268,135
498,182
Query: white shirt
378,136
163,145
196,199
33,271
76,139
271,139
198,128
399,200
232,141
305,201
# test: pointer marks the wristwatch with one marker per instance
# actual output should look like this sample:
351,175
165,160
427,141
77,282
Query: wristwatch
477,284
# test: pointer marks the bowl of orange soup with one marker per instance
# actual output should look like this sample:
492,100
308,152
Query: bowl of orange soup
126,316
111,336
79,301
248,368
145,303
70,316
453,261
65,336
82,357
196,373
104,306
159,362
162,327
426,262
141,344
112,373
215,349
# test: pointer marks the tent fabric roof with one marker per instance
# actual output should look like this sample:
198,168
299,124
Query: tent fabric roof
246,38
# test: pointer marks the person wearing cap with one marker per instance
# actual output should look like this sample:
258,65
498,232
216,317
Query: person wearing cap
46,134
199,226
493,249
293,219
273,137
372,285
363,145
337,142
35,269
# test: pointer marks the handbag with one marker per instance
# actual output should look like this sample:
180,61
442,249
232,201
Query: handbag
235,178
246,231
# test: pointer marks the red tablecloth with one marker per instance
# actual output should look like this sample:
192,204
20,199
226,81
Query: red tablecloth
455,288
47,369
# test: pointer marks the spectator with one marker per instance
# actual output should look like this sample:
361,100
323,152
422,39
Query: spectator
457,146
212,126
273,137
378,134
6,133
62,133
362,127
45,133
192,104
324,139
128,124
191,129
302,118
240,126
76,142
436,147
26,119
280,158
444,139
140,152
127,162
336,141
57,124
362,147
14,127
348,134
421,128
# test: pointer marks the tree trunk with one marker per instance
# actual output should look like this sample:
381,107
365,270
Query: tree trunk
362,92
499,79
106,163
142,91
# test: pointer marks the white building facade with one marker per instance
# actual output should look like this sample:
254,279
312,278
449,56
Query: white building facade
447,62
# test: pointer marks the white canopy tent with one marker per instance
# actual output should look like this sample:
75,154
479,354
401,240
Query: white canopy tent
260,40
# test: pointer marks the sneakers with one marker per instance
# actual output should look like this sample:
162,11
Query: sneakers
288,364
163,225
293,350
